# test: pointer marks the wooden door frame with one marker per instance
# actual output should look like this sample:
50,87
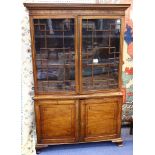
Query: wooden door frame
122,18
32,33
44,103
83,116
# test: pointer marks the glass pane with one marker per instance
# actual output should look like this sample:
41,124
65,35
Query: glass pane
100,53
55,54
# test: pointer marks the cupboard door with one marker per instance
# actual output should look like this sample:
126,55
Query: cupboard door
100,119
100,53
55,55
56,121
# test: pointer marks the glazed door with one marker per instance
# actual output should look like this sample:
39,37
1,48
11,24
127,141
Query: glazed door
100,56
56,121
55,55
100,118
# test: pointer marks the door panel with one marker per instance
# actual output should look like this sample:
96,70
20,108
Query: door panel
55,55
100,53
57,121
101,118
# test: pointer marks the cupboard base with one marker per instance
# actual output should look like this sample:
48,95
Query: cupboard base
118,141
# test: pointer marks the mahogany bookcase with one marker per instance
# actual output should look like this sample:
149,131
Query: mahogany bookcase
77,52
